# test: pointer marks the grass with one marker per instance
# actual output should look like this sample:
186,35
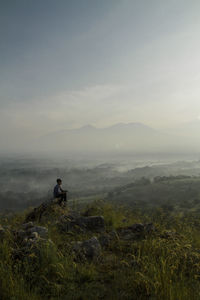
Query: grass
164,265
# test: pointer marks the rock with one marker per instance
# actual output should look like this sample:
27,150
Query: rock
92,247
150,227
94,223
41,231
38,212
107,238
89,249
34,235
30,234
29,240
28,225
135,231
80,223
136,227
104,240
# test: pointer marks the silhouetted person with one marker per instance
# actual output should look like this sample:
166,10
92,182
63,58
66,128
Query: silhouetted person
59,193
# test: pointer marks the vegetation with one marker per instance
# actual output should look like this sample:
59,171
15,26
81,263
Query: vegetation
162,265
173,193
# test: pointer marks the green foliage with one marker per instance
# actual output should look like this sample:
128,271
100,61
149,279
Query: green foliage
164,265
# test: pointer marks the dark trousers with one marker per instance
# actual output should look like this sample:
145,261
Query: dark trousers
62,198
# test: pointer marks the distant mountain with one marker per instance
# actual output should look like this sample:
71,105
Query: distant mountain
119,127
118,138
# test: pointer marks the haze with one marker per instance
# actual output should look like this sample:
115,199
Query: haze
66,64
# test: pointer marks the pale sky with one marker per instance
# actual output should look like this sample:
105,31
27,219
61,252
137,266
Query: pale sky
67,63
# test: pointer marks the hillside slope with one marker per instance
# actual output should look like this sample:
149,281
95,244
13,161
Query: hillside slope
176,193
124,256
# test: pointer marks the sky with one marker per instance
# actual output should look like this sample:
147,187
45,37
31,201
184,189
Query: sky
68,63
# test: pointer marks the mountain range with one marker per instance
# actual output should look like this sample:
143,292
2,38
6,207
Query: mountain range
118,138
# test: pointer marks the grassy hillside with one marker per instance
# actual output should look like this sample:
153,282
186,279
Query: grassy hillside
179,194
164,264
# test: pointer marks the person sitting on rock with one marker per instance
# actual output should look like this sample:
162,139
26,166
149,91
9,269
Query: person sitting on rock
59,193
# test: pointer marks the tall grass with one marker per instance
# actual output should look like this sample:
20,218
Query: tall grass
164,265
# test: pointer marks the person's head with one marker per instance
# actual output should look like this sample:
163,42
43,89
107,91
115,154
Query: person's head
59,181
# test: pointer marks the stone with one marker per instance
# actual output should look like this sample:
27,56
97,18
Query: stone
150,227
38,212
41,231
89,249
104,240
94,223
28,225
81,224
30,234
30,239
138,227
34,235
135,231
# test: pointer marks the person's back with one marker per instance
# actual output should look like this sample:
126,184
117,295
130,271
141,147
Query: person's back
56,191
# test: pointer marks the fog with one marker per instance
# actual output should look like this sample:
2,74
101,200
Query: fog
103,63
117,140
27,181
90,90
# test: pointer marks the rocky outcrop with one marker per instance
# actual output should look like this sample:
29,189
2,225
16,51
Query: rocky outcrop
47,210
37,212
30,235
81,224
29,240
